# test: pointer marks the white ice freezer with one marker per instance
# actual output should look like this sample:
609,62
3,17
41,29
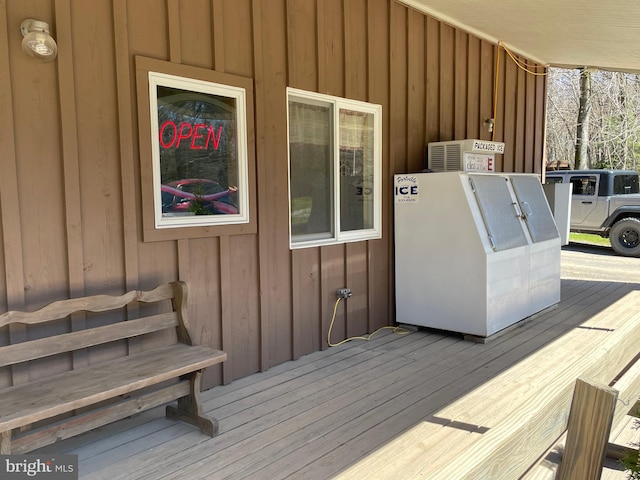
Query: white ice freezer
474,253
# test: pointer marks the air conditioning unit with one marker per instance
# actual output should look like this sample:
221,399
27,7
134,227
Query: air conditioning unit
463,155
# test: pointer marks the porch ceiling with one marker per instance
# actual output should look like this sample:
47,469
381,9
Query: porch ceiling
564,33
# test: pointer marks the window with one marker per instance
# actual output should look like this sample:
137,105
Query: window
199,152
196,162
584,185
334,169
625,184
551,180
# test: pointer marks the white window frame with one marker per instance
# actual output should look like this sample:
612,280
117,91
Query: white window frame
190,84
339,237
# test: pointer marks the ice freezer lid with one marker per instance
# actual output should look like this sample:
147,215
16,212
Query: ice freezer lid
535,208
496,206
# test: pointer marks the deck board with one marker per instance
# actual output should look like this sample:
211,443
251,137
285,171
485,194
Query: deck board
314,417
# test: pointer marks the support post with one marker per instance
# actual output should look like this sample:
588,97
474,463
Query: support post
588,431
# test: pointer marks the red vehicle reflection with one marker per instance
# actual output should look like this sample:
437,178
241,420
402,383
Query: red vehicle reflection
198,196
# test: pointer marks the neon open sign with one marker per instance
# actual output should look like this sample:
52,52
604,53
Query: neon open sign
198,135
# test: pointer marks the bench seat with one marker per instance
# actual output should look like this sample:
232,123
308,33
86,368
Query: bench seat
28,403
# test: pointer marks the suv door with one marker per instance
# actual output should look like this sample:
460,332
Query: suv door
584,202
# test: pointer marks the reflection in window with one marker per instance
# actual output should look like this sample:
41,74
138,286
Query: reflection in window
200,152
625,184
311,170
584,185
552,180
356,170
334,169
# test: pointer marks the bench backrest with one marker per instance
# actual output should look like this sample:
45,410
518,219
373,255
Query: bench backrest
21,352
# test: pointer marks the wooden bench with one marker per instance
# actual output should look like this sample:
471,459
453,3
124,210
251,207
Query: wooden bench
146,375
503,428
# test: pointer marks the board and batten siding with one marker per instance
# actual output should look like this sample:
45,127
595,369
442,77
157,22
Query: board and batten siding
70,170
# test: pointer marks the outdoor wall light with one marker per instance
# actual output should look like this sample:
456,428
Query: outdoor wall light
489,123
37,42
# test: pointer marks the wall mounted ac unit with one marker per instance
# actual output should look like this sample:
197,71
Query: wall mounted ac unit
463,155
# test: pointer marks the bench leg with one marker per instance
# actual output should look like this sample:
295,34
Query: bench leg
5,443
189,408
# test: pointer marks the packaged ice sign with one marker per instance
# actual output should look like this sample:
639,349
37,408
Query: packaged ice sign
489,147
478,162
407,189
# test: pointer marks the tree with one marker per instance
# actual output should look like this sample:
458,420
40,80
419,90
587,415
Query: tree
612,136
582,128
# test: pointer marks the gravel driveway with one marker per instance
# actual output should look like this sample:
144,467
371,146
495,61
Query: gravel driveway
591,262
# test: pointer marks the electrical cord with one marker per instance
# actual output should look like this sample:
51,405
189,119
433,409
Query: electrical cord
396,330
521,65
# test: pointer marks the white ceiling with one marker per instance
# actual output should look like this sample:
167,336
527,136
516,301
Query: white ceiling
569,33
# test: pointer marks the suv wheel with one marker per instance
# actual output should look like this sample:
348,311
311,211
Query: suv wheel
625,237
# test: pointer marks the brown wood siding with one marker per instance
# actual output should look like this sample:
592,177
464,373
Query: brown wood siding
11,283
72,183
486,79
539,138
474,120
270,47
460,83
302,44
398,117
415,91
356,255
380,251
432,74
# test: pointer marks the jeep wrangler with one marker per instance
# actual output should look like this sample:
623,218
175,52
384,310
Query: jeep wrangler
606,203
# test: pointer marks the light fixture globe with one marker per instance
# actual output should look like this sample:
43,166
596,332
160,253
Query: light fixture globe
37,41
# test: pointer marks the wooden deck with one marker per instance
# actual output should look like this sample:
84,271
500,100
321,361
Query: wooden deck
314,417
